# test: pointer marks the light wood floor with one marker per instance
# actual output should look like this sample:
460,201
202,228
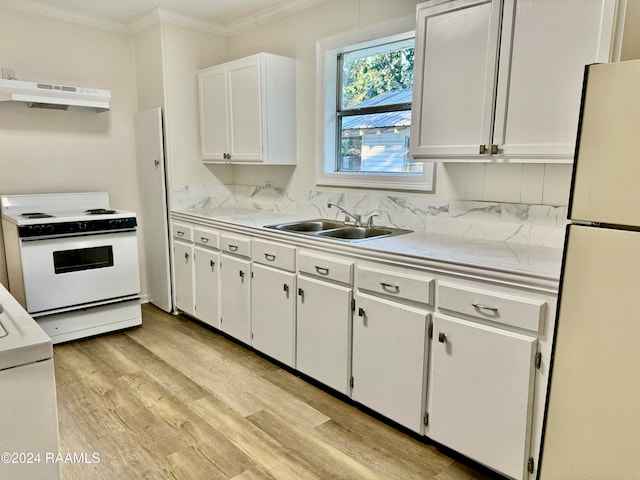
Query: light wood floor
175,400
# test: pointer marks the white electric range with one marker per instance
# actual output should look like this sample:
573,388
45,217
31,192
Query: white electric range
72,262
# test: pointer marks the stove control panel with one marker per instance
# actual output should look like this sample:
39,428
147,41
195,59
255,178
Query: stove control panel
76,228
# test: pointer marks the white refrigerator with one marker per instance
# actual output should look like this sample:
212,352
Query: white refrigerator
592,428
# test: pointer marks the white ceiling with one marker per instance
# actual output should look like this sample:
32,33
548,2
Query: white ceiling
123,13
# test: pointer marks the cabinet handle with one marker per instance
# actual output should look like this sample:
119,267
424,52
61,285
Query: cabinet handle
186,257
494,149
212,264
480,306
204,239
285,287
269,257
233,248
390,286
442,337
361,312
483,149
322,270
301,294
242,275
156,162
179,233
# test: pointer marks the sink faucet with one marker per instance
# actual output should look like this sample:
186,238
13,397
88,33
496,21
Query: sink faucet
356,218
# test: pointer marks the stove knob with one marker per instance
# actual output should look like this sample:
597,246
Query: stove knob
82,225
49,228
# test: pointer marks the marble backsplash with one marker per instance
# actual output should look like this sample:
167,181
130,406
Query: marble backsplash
540,225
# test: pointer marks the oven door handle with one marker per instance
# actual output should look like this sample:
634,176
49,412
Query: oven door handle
68,235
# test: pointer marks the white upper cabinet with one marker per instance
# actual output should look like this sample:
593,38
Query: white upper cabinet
247,111
500,80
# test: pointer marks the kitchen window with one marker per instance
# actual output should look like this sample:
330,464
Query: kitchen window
365,86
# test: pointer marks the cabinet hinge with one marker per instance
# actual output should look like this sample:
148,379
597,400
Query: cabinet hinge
430,329
538,360
351,382
530,465
353,304
425,419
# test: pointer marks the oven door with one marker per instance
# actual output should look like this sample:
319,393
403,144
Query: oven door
65,272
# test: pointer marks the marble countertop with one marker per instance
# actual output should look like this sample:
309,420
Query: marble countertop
513,258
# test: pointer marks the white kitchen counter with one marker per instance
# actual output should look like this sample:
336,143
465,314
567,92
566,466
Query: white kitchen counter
505,261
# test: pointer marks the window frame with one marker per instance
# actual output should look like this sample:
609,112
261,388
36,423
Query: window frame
327,52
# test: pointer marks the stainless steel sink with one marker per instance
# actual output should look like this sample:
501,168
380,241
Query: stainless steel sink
355,233
308,226
337,230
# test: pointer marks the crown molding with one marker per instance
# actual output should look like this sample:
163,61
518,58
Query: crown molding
30,6
161,15
269,15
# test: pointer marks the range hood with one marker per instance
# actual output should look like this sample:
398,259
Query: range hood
59,97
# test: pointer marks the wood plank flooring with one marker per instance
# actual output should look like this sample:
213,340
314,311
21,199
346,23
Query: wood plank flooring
175,400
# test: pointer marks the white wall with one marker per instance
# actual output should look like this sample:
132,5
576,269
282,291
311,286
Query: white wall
185,52
57,151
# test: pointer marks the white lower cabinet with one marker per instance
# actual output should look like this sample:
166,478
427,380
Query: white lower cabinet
324,332
207,268
481,391
235,297
273,310
183,276
390,348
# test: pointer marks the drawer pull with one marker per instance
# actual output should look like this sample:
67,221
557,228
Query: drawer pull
180,233
480,306
269,257
212,264
233,248
204,239
242,275
442,337
322,270
390,286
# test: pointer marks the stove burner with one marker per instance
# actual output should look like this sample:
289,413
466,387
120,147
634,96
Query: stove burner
35,215
99,211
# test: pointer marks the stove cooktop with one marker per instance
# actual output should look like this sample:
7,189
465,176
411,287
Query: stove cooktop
40,209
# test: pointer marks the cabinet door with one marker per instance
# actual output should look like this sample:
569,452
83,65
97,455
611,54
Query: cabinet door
207,268
183,270
541,74
273,308
245,110
214,126
324,332
389,359
235,298
454,79
481,389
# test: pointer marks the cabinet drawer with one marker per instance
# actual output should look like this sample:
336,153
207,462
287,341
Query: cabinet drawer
497,307
237,245
408,287
330,268
182,230
274,255
206,237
